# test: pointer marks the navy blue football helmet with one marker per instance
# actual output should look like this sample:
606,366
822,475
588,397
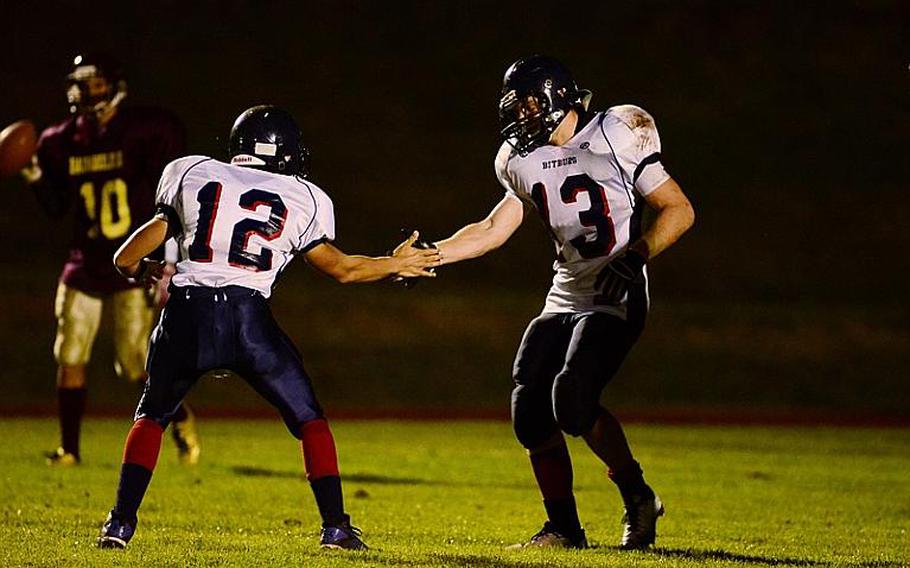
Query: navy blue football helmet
267,137
537,93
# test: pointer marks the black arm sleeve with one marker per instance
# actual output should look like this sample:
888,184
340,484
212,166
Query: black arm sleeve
55,200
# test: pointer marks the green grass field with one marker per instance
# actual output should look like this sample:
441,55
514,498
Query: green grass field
453,494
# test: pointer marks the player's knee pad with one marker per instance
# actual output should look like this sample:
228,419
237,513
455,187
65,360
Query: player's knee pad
132,327
575,413
78,316
532,418
131,369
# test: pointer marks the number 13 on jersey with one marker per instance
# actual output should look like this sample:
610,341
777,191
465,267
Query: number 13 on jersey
597,216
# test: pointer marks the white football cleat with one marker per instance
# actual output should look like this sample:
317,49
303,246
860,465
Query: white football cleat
639,523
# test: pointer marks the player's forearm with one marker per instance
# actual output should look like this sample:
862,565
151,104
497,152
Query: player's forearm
471,241
140,244
359,269
669,225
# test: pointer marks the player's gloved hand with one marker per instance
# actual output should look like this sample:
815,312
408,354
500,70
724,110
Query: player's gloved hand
615,278
420,257
160,294
32,172
149,272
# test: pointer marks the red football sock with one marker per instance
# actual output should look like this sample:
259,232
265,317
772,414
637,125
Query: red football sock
143,443
321,462
553,470
318,446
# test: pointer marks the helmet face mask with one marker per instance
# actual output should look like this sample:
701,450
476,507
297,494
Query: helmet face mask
527,123
267,138
95,85
537,93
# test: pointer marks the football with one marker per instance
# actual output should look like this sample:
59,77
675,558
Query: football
17,145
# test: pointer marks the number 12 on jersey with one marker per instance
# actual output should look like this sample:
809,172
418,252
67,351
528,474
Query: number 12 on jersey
209,199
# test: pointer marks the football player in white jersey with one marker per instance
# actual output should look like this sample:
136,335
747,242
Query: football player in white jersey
588,175
238,226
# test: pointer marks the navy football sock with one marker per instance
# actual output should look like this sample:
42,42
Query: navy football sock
134,480
329,500
70,408
140,454
564,516
631,481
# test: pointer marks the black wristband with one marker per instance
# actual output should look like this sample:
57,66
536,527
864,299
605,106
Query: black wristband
635,260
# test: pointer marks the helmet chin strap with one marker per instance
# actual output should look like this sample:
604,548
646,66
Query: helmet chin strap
105,109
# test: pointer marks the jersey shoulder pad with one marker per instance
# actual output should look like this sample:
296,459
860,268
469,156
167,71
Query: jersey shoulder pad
319,195
54,145
634,117
56,133
641,132
173,174
630,132
180,165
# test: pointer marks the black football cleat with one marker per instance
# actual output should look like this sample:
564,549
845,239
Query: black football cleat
116,532
342,537
639,523
549,537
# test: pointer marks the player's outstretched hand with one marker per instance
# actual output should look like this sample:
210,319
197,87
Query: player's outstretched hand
416,262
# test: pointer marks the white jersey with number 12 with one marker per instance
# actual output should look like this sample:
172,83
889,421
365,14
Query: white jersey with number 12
237,225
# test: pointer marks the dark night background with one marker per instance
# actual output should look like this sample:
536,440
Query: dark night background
785,123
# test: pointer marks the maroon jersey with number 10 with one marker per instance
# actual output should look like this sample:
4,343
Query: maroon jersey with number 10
111,173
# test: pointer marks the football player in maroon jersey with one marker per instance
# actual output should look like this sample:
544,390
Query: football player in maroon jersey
103,161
